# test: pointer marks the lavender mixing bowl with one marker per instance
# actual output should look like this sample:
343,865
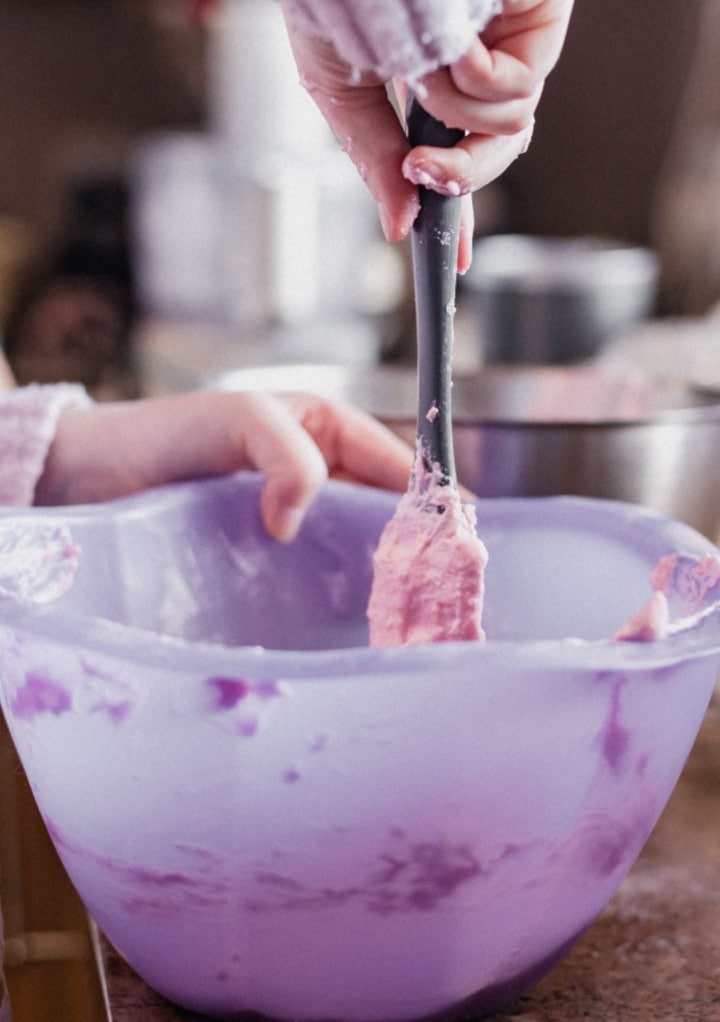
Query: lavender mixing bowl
263,814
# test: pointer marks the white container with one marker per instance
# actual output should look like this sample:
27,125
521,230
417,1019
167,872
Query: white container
273,241
256,102
263,220
177,226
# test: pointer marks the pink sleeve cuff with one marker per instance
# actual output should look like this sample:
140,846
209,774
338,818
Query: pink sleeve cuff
28,422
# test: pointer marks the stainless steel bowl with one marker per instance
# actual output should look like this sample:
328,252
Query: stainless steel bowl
556,300
538,431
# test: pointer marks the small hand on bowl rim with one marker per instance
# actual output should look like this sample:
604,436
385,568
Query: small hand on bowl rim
296,441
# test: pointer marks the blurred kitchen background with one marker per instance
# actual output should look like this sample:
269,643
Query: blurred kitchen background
172,206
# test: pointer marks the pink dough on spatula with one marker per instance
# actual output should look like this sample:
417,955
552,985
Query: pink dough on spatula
428,582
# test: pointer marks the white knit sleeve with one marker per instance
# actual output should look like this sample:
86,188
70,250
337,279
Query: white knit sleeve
28,421
395,38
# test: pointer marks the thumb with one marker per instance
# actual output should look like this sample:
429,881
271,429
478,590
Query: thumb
365,124
367,127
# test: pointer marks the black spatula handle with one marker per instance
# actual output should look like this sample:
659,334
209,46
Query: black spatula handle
434,250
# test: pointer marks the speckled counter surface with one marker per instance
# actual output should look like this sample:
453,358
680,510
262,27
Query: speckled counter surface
653,954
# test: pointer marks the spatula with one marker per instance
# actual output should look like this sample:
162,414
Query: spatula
428,567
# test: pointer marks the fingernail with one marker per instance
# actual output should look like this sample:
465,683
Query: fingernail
287,523
386,223
430,175
397,225
528,137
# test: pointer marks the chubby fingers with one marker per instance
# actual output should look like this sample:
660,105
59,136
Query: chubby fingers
471,164
485,92
366,124
363,120
491,92
353,444
297,440
530,31
369,131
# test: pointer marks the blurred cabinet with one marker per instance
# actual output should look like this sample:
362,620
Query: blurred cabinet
51,963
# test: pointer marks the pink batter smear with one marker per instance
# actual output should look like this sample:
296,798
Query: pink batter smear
429,567
686,582
649,623
37,562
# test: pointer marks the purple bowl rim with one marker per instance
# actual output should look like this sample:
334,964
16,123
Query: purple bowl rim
699,640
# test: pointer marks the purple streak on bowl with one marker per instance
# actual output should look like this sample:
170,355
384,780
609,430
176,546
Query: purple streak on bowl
265,815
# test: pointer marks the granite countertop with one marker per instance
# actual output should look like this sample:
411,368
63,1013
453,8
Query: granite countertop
652,955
